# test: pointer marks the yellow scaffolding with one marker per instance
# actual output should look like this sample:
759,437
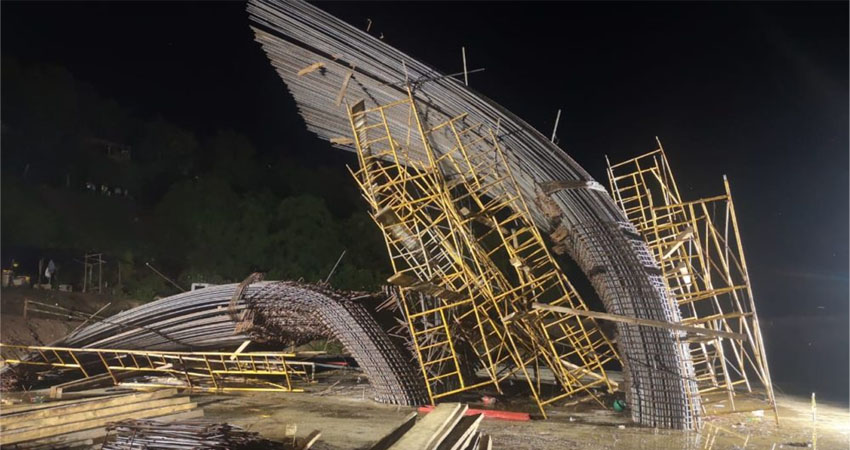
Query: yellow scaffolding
198,371
469,261
698,247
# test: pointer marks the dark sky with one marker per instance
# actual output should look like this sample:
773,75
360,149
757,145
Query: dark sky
757,91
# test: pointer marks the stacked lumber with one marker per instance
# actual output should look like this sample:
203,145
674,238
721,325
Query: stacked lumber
184,434
102,380
78,422
446,427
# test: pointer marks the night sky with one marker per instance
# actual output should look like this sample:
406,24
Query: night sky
756,91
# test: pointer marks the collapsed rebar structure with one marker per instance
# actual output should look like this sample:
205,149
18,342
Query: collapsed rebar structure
328,65
280,314
698,246
473,204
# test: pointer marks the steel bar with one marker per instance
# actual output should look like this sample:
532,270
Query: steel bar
649,323
185,434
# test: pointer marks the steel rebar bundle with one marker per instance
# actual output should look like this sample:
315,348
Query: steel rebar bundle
283,314
186,434
327,63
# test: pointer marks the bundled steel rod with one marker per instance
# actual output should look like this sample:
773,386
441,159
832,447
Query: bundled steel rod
327,63
186,434
281,314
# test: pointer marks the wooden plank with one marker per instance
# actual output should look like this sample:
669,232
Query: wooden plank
74,407
473,442
7,411
430,431
65,439
485,443
82,416
311,68
345,81
468,439
342,141
393,436
239,350
680,240
461,433
310,440
85,443
588,373
550,187
98,433
56,391
448,427
11,438
638,321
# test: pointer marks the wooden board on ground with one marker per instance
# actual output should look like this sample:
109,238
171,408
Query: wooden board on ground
65,439
473,443
6,411
96,413
102,380
393,436
75,406
67,421
98,433
486,443
431,430
10,438
462,433
310,440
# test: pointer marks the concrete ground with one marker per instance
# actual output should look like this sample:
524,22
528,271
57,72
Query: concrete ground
348,419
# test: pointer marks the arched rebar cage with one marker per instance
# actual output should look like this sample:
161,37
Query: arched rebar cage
328,65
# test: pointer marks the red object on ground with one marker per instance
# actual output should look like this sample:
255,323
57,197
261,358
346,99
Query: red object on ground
489,413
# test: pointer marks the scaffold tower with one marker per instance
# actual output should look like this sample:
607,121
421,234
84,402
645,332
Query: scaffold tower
698,246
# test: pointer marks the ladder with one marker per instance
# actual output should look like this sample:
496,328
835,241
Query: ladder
198,371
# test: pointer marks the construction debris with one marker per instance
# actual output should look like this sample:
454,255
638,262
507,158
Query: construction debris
183,434
198,371
74,422
283,314
449,426
482,297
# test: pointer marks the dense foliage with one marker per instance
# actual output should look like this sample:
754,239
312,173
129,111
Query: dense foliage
199,208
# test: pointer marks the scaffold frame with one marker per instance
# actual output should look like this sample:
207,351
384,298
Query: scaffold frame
197,371
698,246
448,222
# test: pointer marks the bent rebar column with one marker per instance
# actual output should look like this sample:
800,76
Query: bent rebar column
326,63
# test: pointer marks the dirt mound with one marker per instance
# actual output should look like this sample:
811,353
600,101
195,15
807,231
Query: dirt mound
39,328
